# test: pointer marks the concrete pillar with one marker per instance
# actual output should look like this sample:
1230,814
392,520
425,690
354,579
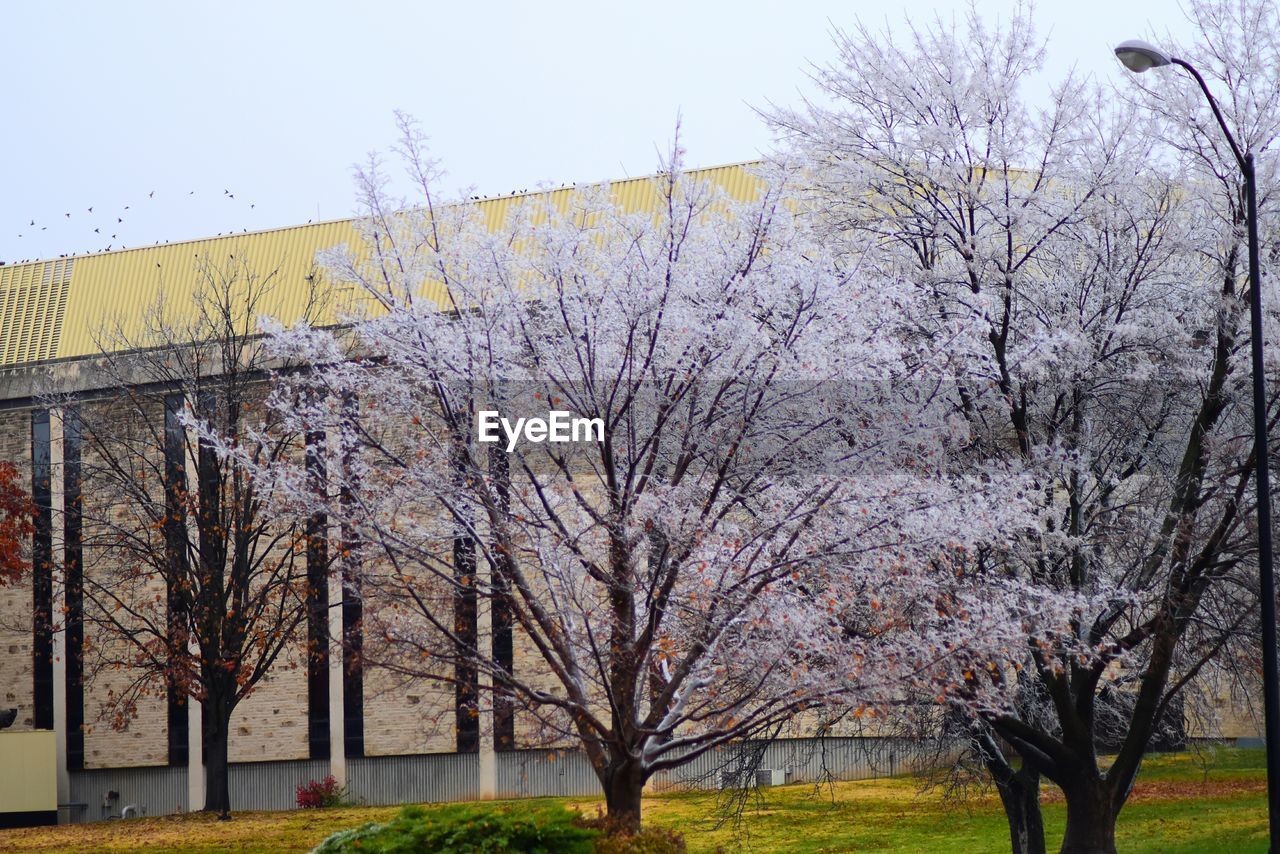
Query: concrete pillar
195,757
337,693
57,502
337,705
195,713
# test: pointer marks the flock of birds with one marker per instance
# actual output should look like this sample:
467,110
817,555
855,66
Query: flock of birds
109,225
114,229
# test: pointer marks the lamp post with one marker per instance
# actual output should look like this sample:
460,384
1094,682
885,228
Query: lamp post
1138,56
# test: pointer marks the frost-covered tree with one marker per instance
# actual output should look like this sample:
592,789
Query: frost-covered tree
1108,305
767,431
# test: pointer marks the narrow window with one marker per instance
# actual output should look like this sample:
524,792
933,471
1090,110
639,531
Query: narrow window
175,538
352,624
73,556
317,606
42,574
466,681
504,720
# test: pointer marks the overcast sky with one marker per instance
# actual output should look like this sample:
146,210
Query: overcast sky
172,108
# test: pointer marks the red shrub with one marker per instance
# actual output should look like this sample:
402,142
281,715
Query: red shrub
324,793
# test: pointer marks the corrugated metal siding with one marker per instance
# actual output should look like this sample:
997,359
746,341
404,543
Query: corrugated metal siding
163,791
425,778
441,777
59,309
33,304
272,785
545,773
113,290
738,181
805,760
155,791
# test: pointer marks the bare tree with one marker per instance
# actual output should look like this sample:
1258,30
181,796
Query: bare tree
190,589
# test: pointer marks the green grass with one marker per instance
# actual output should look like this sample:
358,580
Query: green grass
1208,801
1192,802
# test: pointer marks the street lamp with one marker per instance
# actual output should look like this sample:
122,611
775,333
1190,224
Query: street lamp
1138,56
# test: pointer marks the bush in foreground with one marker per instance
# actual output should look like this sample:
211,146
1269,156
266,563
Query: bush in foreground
467,829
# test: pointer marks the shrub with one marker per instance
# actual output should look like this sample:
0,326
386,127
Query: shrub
650,840
468,829
323,793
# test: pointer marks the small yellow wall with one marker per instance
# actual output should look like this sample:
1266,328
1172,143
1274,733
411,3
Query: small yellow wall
28,771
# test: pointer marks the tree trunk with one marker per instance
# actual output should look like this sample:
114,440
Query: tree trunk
1091,819
213,738
1020,794
623,787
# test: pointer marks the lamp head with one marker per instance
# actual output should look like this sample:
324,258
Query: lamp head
1138,55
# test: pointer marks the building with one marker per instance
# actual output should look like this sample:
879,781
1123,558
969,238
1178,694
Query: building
314,714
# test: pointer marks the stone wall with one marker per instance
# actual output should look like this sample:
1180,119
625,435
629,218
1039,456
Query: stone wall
136,732
404,715
272,722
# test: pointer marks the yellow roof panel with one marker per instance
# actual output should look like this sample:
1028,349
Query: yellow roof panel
70,307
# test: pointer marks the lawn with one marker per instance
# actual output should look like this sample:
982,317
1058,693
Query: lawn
1213,800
